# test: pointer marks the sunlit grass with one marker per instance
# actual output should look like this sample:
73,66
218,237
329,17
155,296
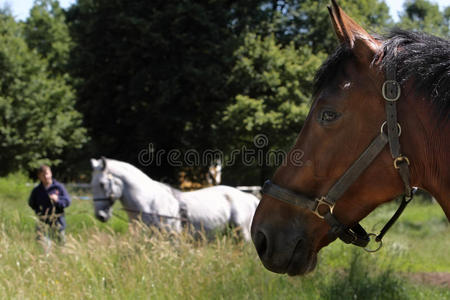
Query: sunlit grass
145,264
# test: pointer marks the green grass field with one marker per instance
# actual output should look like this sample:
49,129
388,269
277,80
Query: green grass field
113,261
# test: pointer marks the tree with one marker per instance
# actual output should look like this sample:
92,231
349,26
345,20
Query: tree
425,16
447,17
170,73
6,9
38,118
153,72
272,77
46,31
274,84
307,22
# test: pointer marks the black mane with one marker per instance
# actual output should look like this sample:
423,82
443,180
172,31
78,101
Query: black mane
425,59
330,67
421,57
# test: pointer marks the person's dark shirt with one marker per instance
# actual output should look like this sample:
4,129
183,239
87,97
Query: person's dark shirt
48,211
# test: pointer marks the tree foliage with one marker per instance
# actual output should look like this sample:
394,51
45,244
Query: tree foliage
38,119
274,84
158,73
423,15
46,32
307,22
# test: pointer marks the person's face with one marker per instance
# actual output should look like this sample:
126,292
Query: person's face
45,177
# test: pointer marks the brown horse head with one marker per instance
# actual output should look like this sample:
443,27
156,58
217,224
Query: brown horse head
347,114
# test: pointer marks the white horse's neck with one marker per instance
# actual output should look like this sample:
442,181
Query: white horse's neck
140,191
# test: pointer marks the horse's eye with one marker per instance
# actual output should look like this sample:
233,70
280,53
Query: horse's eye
328,116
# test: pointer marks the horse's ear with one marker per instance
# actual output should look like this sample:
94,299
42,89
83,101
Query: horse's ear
352,34
103,163
95,163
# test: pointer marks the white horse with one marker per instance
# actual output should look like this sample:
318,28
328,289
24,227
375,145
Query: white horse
210,209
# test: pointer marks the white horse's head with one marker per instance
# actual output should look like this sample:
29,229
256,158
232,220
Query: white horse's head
106,188
214,176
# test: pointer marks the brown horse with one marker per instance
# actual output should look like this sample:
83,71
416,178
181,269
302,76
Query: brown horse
352,163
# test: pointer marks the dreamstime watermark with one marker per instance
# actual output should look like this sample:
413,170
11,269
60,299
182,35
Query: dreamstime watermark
258,155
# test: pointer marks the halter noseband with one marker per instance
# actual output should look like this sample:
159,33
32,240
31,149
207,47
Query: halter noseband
356,235
107,199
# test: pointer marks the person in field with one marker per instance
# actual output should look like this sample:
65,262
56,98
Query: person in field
48,200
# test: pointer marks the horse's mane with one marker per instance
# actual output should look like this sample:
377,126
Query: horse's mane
134,173
330,67
121,168
418,56
425,59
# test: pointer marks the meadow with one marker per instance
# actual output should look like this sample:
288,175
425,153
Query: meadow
118,261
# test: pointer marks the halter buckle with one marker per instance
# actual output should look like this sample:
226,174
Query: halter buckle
322,201
398,126
400,159
391,90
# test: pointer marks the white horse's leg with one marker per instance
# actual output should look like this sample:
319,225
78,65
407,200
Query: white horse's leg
245,231
240,217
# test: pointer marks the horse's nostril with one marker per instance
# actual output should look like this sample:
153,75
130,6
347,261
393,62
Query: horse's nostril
298,245
260,242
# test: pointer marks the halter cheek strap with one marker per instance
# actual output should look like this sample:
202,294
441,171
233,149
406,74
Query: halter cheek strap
356,235
108,199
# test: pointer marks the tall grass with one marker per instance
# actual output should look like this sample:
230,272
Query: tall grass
144,264
115,261
365,280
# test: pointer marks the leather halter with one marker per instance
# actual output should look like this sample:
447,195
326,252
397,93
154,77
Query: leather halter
356,235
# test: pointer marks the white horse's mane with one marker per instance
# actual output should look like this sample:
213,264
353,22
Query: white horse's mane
125,171
122,169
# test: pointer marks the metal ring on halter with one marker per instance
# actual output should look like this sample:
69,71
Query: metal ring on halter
397,90
380,243
398,125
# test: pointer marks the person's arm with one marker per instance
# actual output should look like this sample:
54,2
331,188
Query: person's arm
63,197
32,201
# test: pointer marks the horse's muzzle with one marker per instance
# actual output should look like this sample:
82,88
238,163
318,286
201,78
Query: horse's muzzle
101,215
283,251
